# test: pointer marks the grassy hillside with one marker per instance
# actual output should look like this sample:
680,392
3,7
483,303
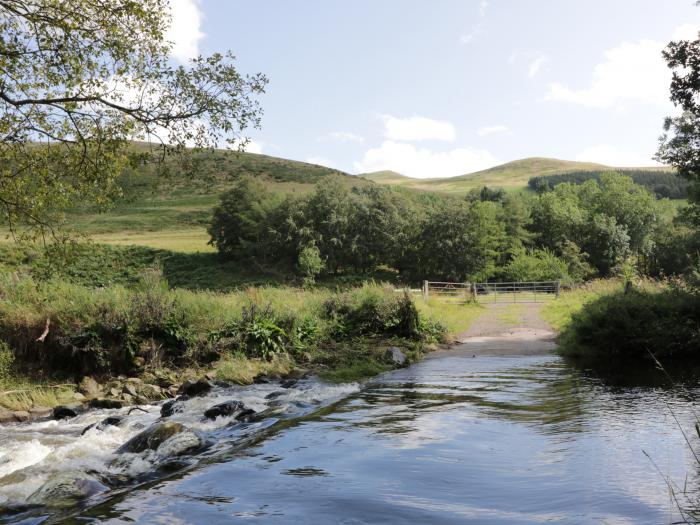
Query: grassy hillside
512,175
172,212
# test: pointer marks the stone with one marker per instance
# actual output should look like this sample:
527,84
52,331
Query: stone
6,416
211,375
163,433
78,396
227,408
114,392
288,383
173,390
40,411
173,406
130,388
101,425
195,388
395,356
21,415
65,490
89,387
63,412
134,381
105,403
128,399
151,391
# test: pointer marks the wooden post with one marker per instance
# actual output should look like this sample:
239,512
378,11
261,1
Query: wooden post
558,288
425,290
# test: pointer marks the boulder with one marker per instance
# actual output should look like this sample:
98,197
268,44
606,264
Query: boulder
395,356
105,403
64,412
134,381
89,387
21,415
169,439
40,411
225,409
130,388
151,391
128,399
101,425
195,388
173,406
6,416
66,490
114,391
79,397
288,383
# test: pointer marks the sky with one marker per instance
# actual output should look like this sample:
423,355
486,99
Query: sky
441,88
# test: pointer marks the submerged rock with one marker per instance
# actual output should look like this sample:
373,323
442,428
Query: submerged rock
289,383
229,408
64,412
101,425
195,388
66,490
169,439
395,356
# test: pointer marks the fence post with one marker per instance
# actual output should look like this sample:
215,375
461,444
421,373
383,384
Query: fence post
558,288
425,290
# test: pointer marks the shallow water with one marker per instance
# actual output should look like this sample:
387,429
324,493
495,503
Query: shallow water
453,439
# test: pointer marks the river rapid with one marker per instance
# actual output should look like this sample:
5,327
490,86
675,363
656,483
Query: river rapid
453,439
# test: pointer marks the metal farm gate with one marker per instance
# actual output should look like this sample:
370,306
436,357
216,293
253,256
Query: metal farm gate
515,292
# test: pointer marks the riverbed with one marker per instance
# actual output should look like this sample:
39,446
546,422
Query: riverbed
452,439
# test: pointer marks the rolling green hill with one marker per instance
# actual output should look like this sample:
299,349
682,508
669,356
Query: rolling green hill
512,175
172,212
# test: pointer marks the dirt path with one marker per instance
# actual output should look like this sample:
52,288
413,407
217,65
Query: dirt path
508,329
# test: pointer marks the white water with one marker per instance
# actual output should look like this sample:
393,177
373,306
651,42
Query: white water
32,454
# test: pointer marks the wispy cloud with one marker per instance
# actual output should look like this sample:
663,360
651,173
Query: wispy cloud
477,28
417,129
536,64
341,136
492,130
613,156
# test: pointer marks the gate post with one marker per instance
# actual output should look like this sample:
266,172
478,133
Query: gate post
558,287
425,290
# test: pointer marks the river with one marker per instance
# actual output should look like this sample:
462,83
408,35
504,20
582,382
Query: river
452,439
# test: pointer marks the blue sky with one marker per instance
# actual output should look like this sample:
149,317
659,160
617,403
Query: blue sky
441,87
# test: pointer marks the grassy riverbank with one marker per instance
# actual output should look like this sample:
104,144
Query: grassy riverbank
57,331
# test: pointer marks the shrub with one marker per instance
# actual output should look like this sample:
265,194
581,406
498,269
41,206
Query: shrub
7,361
310,263
536,265
623,327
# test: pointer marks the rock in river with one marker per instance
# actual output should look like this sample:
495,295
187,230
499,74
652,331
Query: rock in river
229,408
109,421
65,490
173,406
63,412
168,439
195,388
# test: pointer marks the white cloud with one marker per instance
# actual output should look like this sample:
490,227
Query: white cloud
629,72
417,128
611,156
483,6
422,163
536,65
491,130
341,136
185,29
254,147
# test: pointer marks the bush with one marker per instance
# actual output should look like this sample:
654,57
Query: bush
7,360
620,328
536,265
310,264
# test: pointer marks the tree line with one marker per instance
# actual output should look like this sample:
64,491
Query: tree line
573,232
664,184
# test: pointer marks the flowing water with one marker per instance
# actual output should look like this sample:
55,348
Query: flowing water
453,439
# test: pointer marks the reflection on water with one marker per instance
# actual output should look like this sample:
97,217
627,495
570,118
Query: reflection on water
453,439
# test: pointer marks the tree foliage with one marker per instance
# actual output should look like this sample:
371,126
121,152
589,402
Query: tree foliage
82,79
